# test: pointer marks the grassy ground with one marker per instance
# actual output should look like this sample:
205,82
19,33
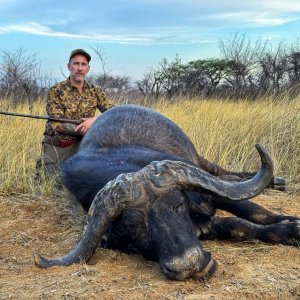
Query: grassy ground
222,131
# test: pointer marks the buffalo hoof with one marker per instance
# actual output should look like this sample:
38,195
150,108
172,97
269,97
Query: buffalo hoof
278,183
286,232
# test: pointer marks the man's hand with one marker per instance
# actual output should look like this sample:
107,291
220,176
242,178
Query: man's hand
85,125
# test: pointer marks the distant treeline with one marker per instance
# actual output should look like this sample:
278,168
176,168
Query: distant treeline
246,69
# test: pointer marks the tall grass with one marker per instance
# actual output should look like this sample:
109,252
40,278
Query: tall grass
223,131
20,144
226,131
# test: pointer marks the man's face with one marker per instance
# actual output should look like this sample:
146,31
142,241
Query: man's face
78,67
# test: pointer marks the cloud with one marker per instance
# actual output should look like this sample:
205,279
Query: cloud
166,21
156,35
279,6
253,18
37,29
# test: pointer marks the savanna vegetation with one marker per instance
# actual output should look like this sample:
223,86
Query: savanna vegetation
244,69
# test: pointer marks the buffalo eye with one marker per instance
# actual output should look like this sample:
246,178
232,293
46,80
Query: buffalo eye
178,207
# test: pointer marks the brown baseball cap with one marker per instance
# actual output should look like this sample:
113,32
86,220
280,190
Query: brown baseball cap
80,51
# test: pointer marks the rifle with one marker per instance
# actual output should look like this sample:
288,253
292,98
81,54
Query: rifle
49,118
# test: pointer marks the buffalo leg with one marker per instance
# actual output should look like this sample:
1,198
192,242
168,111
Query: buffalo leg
287,233
251,211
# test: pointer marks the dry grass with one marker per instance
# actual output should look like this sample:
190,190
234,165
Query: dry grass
223,131
20,148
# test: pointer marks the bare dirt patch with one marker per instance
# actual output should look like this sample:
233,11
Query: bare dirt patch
51,226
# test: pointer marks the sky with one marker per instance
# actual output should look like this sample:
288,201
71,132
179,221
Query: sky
135,35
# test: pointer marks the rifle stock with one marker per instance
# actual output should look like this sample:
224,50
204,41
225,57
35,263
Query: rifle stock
49,118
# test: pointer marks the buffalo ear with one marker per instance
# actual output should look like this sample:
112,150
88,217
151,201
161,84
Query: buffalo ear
200,205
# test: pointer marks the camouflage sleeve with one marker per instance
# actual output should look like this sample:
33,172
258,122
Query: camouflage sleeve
103,102
54,107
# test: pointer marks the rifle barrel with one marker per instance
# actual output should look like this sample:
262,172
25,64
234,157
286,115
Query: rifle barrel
49,118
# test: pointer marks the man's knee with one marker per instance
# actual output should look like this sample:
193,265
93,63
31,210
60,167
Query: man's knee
48,165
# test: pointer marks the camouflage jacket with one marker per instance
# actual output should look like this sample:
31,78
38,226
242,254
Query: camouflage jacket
64,100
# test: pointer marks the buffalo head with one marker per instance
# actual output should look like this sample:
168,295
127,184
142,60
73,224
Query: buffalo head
156,197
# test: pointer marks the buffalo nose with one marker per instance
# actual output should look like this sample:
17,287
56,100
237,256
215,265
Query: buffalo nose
191,262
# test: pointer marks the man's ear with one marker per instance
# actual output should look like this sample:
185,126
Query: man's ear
69,66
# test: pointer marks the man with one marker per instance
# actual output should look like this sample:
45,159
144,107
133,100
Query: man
73,98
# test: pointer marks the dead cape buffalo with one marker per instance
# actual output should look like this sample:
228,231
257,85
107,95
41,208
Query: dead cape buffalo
146,188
